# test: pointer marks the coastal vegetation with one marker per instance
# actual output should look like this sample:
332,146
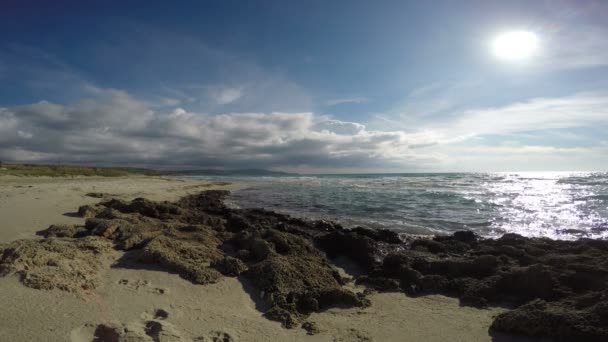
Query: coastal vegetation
72,170
59,170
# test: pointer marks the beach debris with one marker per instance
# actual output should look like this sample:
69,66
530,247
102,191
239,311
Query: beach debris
55,263
88,211
63,230
190,259
229,266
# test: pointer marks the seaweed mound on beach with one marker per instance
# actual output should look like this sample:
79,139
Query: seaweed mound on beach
294,277
276,253
55,263
188,253
202,240
557,288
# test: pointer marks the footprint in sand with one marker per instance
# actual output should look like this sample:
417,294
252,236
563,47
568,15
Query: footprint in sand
139,285
161,314
96,333
151,327
352,335
142,331
216,336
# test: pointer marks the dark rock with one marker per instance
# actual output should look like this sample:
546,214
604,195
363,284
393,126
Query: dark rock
379,283
236,223
466,236
557,319
561,280
358,247
481,266
243,254
382,235
327,226
430,245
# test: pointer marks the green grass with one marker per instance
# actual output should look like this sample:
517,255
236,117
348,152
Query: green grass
72,170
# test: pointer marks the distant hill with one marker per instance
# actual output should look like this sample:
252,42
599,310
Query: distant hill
78,170
73,170
237,172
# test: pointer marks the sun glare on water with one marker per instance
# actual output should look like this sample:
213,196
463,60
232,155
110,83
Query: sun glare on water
515,45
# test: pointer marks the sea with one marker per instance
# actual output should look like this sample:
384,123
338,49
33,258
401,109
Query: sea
557,205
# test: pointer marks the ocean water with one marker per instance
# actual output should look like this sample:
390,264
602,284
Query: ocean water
559,205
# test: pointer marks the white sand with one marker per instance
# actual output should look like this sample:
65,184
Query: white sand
130,298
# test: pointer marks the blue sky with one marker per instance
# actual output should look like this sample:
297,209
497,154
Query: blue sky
309,86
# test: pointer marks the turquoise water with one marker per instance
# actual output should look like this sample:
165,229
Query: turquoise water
560,205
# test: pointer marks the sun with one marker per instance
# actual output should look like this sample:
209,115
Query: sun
515,45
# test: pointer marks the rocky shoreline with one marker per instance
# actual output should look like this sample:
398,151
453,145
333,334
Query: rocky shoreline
555,288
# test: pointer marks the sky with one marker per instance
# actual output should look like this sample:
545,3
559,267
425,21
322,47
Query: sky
304,86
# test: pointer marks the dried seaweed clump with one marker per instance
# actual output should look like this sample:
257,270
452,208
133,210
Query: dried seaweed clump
55,263
294,277
189,258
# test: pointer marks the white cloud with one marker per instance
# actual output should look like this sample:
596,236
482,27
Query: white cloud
436,98
24,135
572,35
579,46
227,95
578,110
340,101
521,157
537,134
427,104
169,102
340,127
113,126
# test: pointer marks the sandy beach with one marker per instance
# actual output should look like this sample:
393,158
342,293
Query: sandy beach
224,311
